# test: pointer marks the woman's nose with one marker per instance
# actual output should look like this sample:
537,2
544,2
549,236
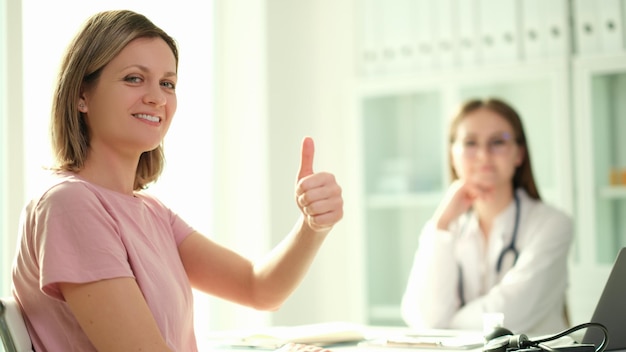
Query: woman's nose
155,96
483,151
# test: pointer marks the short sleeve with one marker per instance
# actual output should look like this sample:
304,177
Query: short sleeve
180,228
76,239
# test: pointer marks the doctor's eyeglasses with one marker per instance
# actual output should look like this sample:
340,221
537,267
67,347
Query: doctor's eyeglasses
496,145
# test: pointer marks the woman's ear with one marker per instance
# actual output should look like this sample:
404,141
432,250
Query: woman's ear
82,101
82,106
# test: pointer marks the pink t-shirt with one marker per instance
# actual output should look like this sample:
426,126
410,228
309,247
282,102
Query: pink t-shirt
78,232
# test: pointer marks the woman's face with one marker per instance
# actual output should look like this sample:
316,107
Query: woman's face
130,108
484,151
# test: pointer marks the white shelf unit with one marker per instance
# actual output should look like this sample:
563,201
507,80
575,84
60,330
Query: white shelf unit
599,146
403,138
600,85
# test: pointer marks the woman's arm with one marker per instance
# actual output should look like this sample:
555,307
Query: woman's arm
219,271
114,315
431,297
267,283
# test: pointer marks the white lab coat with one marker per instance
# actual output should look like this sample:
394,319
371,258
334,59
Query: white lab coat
530,294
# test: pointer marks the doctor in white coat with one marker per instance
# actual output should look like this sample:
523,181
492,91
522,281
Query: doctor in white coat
492,245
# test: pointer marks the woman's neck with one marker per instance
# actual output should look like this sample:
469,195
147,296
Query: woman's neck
487,210
114,173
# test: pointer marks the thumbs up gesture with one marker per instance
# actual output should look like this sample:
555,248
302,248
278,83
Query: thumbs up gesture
318,195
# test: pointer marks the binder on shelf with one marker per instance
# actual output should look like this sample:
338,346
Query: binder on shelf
444,33
467,37
499,31
545,29
423,34
533,35
397,21
371,38
610,25
556,27
586,23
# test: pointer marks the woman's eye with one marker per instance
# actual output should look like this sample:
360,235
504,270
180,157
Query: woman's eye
133,79
469,143
168,84
497,142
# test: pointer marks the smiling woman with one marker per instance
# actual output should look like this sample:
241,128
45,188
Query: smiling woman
192,168
192,34
188,24
94,233
117,103
140,82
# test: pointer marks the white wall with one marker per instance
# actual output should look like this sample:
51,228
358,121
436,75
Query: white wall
310,84
285,72
240,141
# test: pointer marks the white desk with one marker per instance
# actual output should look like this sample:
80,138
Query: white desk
221,341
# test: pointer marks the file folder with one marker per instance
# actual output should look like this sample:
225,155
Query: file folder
545,30
586,21
424,35
445,26
499,31
609,25
534,35
467,36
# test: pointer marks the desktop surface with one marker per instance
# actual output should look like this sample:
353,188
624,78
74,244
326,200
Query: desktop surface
374,338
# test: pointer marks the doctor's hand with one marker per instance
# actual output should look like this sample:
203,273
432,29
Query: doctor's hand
458,199
317,194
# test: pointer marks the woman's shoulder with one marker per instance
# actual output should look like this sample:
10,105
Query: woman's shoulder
540,209
59,185
67,187
57,191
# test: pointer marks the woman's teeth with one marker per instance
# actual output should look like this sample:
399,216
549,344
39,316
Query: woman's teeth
147,117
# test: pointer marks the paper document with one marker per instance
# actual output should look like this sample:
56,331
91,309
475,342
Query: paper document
449,342
322,334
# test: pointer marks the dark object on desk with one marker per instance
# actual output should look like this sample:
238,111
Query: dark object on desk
508,342
521,342
497,332
611,308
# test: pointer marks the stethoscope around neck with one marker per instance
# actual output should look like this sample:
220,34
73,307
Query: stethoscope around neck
510,248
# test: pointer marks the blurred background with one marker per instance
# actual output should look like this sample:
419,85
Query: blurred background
374,82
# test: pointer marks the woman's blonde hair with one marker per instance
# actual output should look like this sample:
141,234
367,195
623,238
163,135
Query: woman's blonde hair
523,176
100,40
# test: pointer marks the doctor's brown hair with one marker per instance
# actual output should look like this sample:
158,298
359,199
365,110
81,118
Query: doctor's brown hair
523,176
101,39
